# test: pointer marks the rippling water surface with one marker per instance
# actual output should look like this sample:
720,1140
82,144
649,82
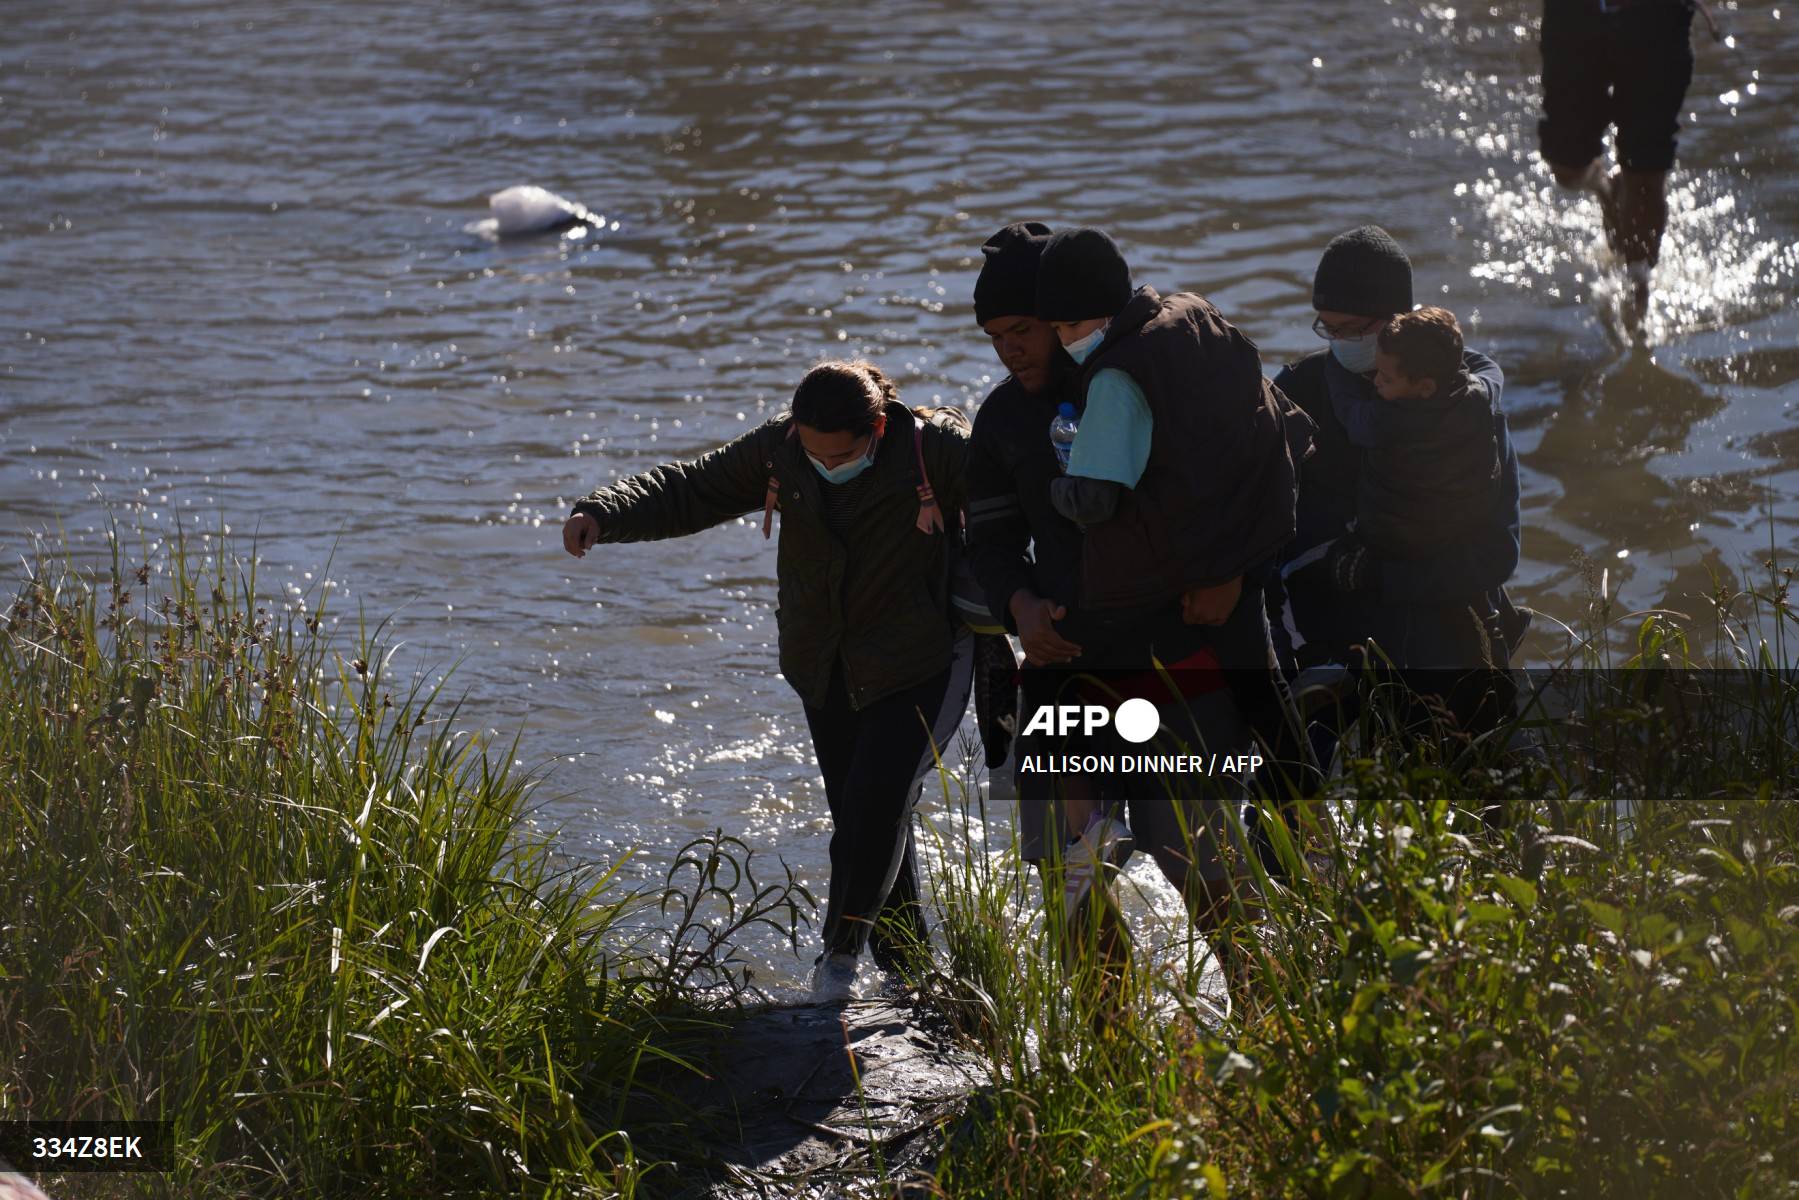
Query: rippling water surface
235,284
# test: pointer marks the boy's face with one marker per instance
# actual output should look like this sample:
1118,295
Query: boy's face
1394,384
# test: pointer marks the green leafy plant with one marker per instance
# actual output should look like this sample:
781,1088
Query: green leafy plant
1561,960
257,887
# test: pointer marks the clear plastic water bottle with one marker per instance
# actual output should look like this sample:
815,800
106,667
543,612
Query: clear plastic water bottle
1061,434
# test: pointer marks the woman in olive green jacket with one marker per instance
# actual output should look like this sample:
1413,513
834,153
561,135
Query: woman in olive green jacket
869,494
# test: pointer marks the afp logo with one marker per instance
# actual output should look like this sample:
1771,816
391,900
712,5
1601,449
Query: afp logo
1136,719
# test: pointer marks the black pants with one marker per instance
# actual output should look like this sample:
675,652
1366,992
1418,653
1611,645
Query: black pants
1630,67
870,762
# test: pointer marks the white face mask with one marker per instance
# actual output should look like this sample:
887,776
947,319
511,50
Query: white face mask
1357,353
844,472
1079,350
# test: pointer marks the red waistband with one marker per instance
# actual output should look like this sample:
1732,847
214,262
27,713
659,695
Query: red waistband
1198,674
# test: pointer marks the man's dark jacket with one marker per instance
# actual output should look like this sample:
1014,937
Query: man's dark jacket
1216,499
876,601
1016,538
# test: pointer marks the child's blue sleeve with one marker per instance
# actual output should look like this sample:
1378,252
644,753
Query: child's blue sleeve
1113,442
1484,370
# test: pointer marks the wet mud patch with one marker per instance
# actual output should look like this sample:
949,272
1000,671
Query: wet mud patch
824,1100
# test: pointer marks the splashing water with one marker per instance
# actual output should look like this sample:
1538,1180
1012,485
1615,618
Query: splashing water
1716,267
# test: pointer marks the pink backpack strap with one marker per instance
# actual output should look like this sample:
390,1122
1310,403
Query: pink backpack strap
930,516
771,500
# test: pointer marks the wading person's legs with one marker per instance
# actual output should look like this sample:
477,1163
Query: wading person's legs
1576,98
1183,824
1064,821
1629,68
1245,649
1652,65
899,932
898,941
1074,878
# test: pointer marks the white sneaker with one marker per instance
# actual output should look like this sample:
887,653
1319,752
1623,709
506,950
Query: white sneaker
834,978
1105,845
1111,840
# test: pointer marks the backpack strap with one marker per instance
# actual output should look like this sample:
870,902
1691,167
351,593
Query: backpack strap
771,499
930,515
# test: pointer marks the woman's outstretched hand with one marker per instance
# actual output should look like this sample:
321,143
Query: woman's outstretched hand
579,533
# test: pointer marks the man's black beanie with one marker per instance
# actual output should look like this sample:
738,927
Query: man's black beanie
1363,272
1007,284
1082,276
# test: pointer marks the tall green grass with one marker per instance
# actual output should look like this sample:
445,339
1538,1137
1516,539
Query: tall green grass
1596,997
254,885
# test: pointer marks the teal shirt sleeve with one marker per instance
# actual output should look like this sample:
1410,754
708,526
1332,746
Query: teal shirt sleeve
1113,441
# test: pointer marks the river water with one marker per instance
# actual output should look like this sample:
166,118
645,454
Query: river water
236,286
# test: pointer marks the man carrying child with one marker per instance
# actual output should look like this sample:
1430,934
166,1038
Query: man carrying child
1182,476
1430,473
1424,586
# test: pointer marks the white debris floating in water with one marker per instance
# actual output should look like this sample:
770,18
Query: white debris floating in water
527,209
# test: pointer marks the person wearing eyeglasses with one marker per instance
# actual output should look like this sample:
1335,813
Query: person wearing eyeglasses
1443,611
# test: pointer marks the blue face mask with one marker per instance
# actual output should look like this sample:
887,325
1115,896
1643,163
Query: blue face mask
1357,354
844,472
1081,349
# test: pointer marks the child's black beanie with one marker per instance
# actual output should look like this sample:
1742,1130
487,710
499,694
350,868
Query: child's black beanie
1082,276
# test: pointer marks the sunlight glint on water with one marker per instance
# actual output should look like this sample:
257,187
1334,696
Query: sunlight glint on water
247,295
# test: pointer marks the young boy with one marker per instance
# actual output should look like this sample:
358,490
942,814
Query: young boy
1432,468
